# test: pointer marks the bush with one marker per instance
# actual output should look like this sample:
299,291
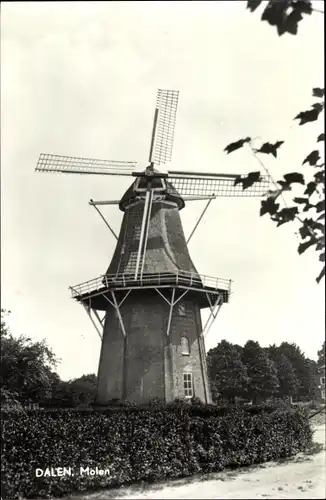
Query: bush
136,444
9,398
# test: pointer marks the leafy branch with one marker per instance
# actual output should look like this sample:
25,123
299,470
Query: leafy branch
285,15
308,209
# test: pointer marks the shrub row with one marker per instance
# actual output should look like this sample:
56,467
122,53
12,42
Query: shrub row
141,444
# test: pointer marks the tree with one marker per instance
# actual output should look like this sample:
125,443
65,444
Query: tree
227,374
321,356
263,381
74,393
288,381
26,366
27,374
239,349
310,383
304,369
4,327
307,209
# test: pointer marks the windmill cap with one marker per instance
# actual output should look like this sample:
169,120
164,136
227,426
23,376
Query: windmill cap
169,194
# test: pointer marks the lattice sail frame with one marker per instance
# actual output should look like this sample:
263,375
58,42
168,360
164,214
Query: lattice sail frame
218,186
191,184
166,107
79,165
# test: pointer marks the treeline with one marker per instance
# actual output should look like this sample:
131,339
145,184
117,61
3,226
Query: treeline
28,375
256,373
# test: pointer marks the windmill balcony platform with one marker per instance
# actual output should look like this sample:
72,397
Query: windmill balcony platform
205,289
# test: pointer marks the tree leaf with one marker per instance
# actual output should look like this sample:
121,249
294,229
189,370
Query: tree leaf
274,13
304,246
320,206
299,7
318,226
320,176
301,200
285,186
322,257
269,148
308,207
274,194
253,4
321,137
310,189
292,21
236,145
304,232
318,105
322,274
318,92
308,116
312,158
269,206
305,229
286,215
320,244
284,14
294,177
248,180
304,6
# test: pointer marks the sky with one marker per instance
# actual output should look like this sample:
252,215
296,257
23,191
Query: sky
80,79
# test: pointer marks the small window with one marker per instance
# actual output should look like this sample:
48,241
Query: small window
185,349
187,385
181,309
323,394
322,380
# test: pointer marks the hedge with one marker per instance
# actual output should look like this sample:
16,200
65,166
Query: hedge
140,444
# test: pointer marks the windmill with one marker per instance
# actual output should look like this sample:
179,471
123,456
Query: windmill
146,307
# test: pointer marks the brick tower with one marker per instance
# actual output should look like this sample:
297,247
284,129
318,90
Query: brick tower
152,345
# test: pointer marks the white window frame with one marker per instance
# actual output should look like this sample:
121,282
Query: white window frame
188,386
323,394
322,380
185,350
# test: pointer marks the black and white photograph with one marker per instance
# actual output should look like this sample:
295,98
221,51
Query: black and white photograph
162,250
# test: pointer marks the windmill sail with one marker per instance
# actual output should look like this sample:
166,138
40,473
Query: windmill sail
201,185
164,124
78,165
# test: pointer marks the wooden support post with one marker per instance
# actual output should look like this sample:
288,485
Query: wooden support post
87,309
200,218
212,316
170,313
119,314
105,221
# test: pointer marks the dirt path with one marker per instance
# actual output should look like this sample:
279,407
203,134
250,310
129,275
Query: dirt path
300,477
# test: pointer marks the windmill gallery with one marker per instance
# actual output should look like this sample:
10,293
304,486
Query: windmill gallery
151,295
